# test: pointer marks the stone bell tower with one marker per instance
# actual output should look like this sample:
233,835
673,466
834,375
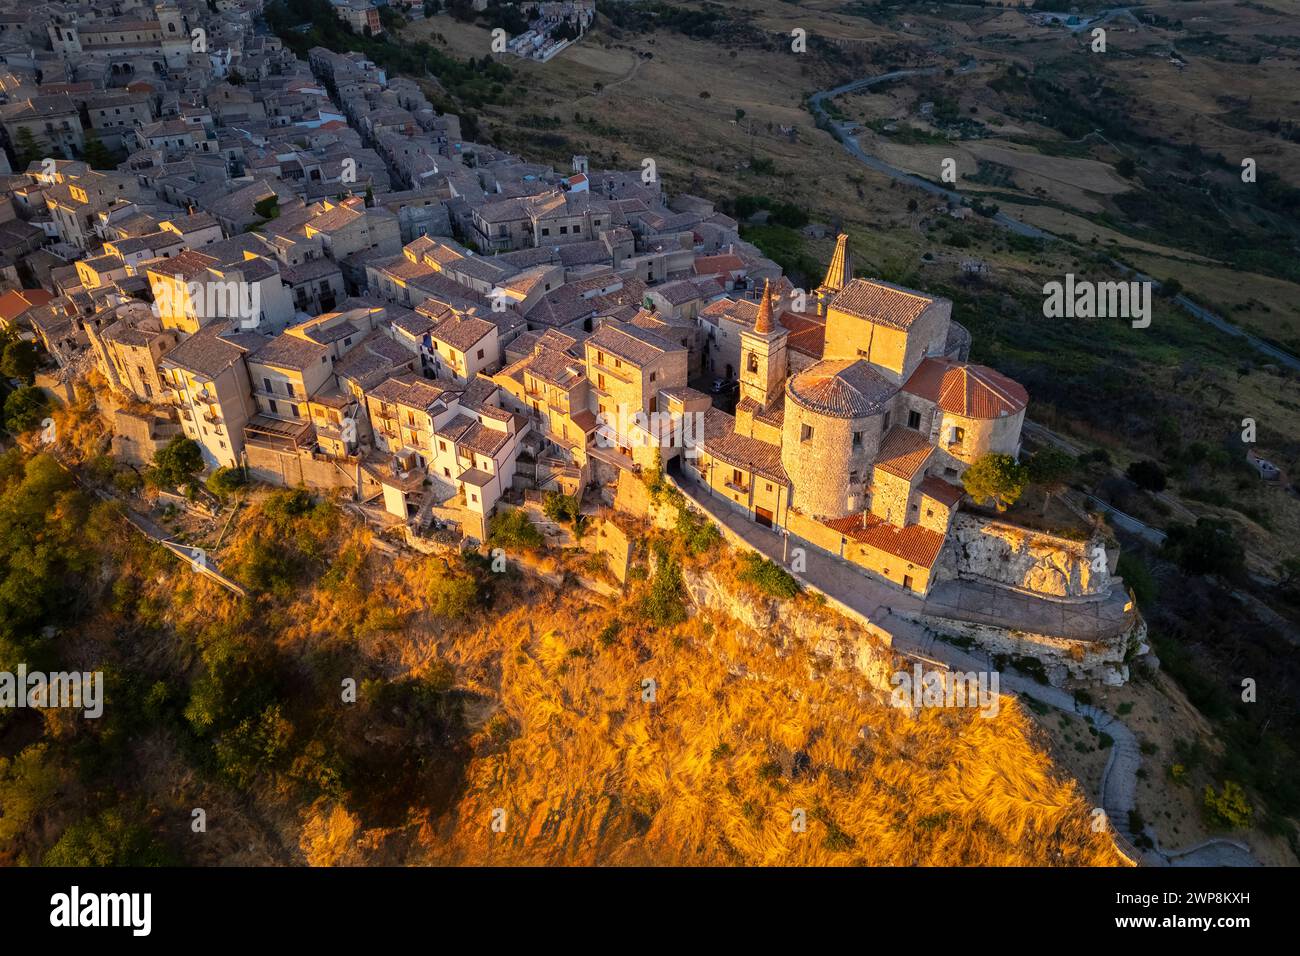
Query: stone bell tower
837,276
763,358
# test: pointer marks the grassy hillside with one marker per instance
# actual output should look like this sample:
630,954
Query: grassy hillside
475,692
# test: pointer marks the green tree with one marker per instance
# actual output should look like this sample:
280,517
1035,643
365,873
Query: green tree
28,784
177,463
94,152
25,409
1207,547
20,359
995,477
109,839
1050,469
1147,475
26,149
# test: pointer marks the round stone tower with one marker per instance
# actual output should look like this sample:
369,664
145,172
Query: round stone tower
834,418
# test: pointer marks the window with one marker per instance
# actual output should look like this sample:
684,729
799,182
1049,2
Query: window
296,413
907,582
446,472
857,440
769,486
805,432
274,410
288,389
884,425
546,231
958,434
267,383
480,353
442,445
737,477
652,376
752,362
473,498
914,420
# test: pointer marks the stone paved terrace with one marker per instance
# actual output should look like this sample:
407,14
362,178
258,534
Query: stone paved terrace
987,604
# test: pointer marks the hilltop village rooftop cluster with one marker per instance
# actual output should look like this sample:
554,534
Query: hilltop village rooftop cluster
305,269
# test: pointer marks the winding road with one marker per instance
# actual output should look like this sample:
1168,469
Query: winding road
842,132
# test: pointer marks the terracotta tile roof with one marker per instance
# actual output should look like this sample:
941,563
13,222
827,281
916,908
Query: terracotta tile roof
463,333
944,492
186,264
470,433
555,368
17,301
881,302
903,452
289,352
807,332
973,391
632,344
741,451
841,388
206,352
716,265
912,543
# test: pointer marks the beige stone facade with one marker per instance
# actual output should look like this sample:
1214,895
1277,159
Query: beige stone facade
857,447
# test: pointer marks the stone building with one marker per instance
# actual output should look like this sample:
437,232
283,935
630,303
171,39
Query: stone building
858,446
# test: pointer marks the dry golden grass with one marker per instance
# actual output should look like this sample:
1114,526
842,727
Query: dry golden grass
592,774
742,733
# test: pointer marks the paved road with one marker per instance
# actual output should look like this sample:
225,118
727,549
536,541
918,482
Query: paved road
850,142
880,602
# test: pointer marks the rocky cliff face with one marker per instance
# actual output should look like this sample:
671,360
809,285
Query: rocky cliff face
842,643
1022,558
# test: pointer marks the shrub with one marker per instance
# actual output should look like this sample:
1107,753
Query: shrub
663,605
224,481
453,595
1207,547
1147,475
1230,808
767,577
514,529
128,481
697,534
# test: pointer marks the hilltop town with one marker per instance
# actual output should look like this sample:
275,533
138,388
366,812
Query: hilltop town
305,269
312,280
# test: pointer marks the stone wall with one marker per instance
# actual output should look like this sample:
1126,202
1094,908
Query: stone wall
1063,659
1044,564
293,468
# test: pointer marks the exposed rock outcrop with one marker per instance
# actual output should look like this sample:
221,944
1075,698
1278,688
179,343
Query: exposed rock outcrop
1028,560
